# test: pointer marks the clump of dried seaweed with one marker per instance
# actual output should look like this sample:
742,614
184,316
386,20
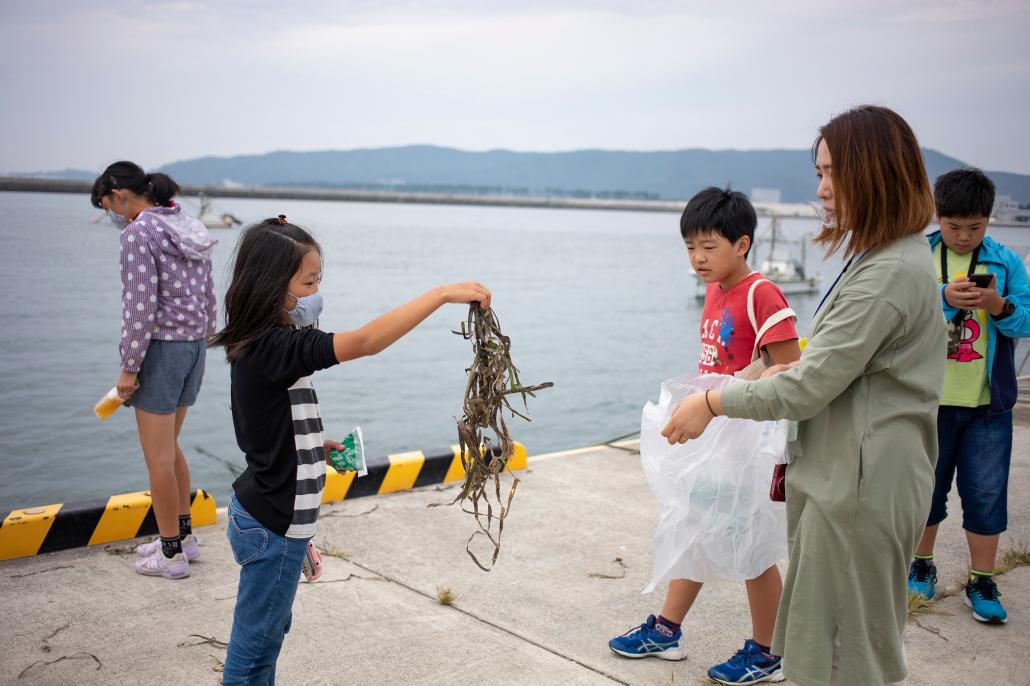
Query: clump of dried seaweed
492,378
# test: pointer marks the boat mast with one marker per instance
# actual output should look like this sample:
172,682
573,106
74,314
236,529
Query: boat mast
804,260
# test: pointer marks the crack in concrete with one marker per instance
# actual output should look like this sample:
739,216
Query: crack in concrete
42,571
930,629
493,625
346,578
447,487
56,631
340,513
75,656
44,647
121,550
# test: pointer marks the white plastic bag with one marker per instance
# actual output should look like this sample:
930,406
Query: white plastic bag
716,518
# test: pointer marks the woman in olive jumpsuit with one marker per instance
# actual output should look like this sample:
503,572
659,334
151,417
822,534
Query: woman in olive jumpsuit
864,396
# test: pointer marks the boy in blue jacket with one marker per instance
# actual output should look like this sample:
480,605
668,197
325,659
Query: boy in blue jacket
985,295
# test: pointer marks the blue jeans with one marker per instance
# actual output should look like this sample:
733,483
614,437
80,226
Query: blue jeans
978,447
269,573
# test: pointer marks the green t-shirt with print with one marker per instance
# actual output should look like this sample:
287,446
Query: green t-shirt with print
965,377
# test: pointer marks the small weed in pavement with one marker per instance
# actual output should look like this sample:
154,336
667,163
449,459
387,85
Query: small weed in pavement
918,604
1012,558
445,595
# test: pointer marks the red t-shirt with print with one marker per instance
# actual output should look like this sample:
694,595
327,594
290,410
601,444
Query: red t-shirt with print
727,338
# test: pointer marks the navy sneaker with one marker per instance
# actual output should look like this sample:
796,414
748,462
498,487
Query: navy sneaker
922,579
647,641
750,665
982,596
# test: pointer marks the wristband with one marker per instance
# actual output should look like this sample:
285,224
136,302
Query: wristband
709,404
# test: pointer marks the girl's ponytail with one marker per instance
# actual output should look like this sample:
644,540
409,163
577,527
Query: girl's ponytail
157,188
160,189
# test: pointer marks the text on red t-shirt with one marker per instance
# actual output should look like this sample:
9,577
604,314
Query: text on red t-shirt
727,337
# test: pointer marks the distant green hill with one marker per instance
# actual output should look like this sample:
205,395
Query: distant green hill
674,174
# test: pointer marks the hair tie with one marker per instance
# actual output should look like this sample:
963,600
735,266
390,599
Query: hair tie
282,219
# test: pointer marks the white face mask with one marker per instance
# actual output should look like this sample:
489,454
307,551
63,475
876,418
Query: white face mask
307,309
118,220
826,220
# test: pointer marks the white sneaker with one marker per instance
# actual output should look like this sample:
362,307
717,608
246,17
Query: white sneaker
175,567
190,547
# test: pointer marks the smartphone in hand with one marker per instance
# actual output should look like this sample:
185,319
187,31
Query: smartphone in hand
982,280
312,566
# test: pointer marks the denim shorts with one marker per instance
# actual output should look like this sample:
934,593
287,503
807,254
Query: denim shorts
170,376
974,449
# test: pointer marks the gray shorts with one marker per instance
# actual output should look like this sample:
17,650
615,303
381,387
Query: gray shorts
170,376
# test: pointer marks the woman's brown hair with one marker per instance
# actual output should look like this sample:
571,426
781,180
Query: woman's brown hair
880,188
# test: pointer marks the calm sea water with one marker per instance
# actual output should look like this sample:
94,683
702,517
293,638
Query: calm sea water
600,302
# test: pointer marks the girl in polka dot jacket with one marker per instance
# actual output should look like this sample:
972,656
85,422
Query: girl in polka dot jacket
168,311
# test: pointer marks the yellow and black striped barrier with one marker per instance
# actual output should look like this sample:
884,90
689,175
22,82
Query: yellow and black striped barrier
45,529
401,471
36,530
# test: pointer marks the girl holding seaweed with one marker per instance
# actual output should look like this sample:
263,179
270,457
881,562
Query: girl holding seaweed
273,349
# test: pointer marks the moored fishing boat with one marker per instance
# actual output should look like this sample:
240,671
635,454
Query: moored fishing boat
211,219
787,272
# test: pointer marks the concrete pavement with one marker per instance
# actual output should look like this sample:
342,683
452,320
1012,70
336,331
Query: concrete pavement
576,552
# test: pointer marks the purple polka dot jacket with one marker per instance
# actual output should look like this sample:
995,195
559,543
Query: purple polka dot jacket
167,287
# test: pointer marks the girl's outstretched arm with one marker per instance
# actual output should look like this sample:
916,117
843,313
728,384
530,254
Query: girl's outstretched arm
387,329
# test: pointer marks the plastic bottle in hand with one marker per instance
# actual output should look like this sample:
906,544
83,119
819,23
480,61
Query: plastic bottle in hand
108,404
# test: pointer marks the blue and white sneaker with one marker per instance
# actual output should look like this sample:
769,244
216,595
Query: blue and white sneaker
647,641
750,665
922,579
982,596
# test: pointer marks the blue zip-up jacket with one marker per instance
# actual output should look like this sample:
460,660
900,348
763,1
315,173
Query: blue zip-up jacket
1013,284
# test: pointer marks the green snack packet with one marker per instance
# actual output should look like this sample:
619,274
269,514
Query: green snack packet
352,457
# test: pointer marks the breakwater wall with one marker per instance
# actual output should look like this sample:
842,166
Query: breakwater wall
38,185
352,195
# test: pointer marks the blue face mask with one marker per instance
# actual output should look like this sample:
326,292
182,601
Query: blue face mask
307,309
118,220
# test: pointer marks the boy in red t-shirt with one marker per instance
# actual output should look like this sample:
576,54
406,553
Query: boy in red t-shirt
743,315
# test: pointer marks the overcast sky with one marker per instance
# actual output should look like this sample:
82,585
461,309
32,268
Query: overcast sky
87,83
